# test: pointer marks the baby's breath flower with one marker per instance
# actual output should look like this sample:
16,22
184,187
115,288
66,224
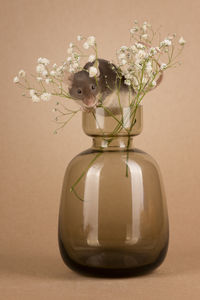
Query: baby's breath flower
133,48
43,61
55,66
48,80
45,96
149,67
53,73
71,45
144,26
39,60
91,58
153,83
35,98
145,36
16,79
86,45
39,78
59,70
79,37
69,50
93,71
140,55
123,62
127,82
69,59
152,51
46,61
22,73
128,76
135,81
75,65
40,68
165,42
133,30
44,73
32,92
181,41
71,69
76,56
163,66
121,56
123,48
144,79
91,40
138,64
139,45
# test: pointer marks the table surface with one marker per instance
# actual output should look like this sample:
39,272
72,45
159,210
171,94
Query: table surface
26,275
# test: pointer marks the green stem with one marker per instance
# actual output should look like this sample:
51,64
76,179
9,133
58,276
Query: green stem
72,189
64,123
127,155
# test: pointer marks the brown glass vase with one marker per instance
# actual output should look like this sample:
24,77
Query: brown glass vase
113,217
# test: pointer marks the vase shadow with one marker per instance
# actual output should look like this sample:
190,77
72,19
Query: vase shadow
45,266
179,263
36,266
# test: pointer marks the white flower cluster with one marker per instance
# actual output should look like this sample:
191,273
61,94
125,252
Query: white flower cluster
140,31
74,59
46,75
89,42
182,41
91,58
57,71
93,71
166,42
43,76
35,98
136,60
140,62
41,68
21,74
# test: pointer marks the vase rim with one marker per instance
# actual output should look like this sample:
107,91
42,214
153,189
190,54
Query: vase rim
101,122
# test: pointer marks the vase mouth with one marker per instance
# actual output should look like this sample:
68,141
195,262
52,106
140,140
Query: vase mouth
116,121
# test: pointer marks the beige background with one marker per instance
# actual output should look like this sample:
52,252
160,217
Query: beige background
33,160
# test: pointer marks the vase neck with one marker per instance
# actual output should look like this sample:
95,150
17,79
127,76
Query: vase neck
118,143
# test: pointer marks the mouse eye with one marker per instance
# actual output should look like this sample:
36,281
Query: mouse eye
79,91
93,87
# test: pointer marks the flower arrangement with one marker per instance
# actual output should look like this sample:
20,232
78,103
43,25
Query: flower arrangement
140,66
141,63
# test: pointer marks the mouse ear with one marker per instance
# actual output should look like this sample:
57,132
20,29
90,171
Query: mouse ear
68,78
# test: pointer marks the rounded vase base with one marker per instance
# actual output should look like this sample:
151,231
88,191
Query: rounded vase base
92,265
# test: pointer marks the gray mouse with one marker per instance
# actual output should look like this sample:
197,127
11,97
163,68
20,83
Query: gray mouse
89,93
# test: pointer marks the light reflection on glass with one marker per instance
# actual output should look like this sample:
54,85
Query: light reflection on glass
100,119
133,233
91,204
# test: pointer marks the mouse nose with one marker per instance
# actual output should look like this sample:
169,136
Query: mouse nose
89,102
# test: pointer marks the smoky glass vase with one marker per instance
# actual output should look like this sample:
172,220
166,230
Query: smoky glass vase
113,219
